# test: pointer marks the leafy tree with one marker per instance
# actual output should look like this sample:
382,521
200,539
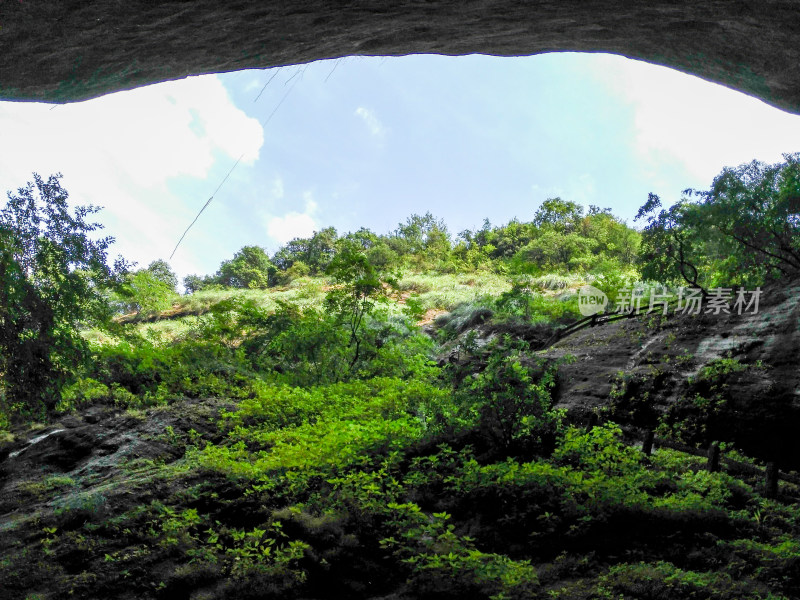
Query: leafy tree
595,210
423,233
161,270
299,346
195,283
746,227
555,251
508,239
52,277
321,249
144,292
613,238
756,206
382,257
670,245
562,215
250,267
512,400
479,237
298,269
364,237
473,248
316,252
358,285
149,290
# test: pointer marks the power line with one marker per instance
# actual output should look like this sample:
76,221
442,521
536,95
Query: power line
336,64
296,73
205,206
266,84
289,91
263,124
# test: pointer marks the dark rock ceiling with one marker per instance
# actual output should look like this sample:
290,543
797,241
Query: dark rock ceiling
69,50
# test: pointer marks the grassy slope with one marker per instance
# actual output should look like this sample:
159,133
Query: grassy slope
434,292
341,491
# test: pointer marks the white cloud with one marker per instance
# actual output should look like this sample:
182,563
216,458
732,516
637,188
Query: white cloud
252,85
581,189
277,188
375,127
703,125
543,193
294,224
119,151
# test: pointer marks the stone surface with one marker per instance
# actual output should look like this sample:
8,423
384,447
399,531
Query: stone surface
70,50
765,408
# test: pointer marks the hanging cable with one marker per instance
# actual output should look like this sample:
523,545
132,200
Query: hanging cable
266,84
336,64
205,206
263,124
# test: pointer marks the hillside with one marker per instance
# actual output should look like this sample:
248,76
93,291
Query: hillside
400,416
352,490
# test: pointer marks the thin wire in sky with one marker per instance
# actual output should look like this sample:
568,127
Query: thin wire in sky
336,64
205,206
266,84
296,73
263,124
286,95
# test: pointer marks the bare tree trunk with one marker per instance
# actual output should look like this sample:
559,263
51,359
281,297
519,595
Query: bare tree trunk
771,481
592,422
647,444
713,458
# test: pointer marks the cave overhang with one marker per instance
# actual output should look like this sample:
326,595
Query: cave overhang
71,50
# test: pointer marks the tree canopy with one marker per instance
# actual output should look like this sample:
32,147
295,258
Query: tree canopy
249,268
743,229
52,275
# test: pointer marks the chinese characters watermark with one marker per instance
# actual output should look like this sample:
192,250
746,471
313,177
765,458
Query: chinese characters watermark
690,301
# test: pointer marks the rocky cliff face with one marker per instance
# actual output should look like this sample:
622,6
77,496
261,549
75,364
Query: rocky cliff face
737,376
70,50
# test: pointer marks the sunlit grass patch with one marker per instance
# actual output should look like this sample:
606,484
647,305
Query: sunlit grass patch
448,291
555,282
168,330
46,486
304,291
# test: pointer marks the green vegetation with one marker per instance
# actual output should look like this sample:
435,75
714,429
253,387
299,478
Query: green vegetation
51,274
744,229
308,439
560,239
148,291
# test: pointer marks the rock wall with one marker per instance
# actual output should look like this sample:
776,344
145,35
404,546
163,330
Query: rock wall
71,50
762,408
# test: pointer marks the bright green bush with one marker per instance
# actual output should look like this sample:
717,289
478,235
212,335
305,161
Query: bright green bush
446,565
82,392
664,580
599,450
510,401
146,294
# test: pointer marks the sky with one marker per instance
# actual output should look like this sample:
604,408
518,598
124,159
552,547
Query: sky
366,142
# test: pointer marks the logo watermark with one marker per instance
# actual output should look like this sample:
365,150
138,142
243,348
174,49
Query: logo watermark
591,300
689,301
